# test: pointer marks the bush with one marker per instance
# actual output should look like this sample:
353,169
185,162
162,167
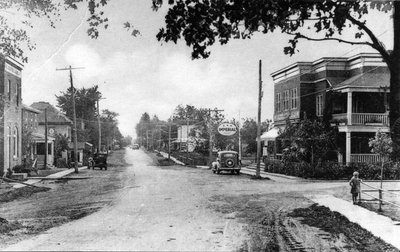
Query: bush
332,170
21,169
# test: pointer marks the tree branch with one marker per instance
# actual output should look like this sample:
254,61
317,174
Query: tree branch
298,35
376,43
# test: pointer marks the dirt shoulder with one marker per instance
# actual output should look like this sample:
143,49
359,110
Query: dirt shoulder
28,211
289,221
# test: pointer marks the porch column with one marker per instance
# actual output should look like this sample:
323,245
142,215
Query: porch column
348,147
349,107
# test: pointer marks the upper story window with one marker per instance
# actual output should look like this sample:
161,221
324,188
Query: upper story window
319,105
8,89
286,100
278,102
294,98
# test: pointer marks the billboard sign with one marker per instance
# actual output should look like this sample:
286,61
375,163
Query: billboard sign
227,129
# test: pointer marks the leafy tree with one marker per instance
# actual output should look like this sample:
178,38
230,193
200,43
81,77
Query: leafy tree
249,133
86,112
205,22
381,144
14,36
60,144
308,140
109,128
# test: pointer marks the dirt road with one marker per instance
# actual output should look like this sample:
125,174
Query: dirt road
180,208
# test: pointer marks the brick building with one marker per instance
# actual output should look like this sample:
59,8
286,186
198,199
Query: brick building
10,110
352,93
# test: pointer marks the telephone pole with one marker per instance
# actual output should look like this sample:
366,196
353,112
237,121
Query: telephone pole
259,123
210,154
46,148
74,115
98,121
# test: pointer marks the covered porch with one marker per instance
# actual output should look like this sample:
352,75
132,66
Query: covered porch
354,148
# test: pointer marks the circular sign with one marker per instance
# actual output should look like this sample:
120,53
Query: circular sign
227,129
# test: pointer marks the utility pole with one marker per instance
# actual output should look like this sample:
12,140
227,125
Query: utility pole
240,142
187,139
99,123
147,139
259,124
210,154
74,115
46,148
169,142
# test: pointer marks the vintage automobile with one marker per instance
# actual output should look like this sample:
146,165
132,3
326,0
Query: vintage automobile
98,160
227,161
135,146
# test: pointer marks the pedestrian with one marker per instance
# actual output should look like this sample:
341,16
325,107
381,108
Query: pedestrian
355,183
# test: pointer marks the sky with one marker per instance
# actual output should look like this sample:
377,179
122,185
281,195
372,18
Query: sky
140,74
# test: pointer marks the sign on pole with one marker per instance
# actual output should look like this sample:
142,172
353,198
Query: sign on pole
227,129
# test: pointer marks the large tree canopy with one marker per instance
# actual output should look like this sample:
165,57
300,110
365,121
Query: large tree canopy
14,36
202,23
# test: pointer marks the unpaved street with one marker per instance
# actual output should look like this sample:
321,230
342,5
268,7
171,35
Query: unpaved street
181,208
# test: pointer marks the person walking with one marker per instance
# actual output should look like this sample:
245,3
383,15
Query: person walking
355,183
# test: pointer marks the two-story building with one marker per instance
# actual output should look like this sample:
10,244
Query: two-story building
57,123
352,93
10,112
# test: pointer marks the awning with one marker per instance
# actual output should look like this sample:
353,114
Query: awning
270,135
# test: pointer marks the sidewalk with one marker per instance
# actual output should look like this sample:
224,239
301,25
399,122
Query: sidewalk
378,225
61,174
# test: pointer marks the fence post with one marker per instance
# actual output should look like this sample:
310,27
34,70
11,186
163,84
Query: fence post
380,200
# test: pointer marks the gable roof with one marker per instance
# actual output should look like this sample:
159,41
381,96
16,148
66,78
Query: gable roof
54,116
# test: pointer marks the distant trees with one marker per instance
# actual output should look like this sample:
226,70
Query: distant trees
203,121
248,133
86,114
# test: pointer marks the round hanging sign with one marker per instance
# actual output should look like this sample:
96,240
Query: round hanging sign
227,129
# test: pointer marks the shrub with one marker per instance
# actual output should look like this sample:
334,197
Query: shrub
332,170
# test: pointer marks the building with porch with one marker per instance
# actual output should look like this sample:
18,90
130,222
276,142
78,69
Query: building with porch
57,123
34,148
352,93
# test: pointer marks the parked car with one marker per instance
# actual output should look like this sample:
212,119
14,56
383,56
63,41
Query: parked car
135,146
227,161
98,160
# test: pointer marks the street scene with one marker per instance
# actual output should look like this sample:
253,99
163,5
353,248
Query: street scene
199,125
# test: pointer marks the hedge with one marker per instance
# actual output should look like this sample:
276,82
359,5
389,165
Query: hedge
332,170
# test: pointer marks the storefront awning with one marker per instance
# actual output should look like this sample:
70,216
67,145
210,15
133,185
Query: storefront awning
270,135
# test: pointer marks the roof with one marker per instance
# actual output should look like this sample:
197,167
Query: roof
366,80
40,137
54,116
30,109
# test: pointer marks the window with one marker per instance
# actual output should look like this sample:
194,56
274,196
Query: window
319,105
8,90
294,98
286,100
278,102
15,142
18,94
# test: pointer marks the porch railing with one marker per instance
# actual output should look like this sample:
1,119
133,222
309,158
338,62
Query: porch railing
363,118
366,158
